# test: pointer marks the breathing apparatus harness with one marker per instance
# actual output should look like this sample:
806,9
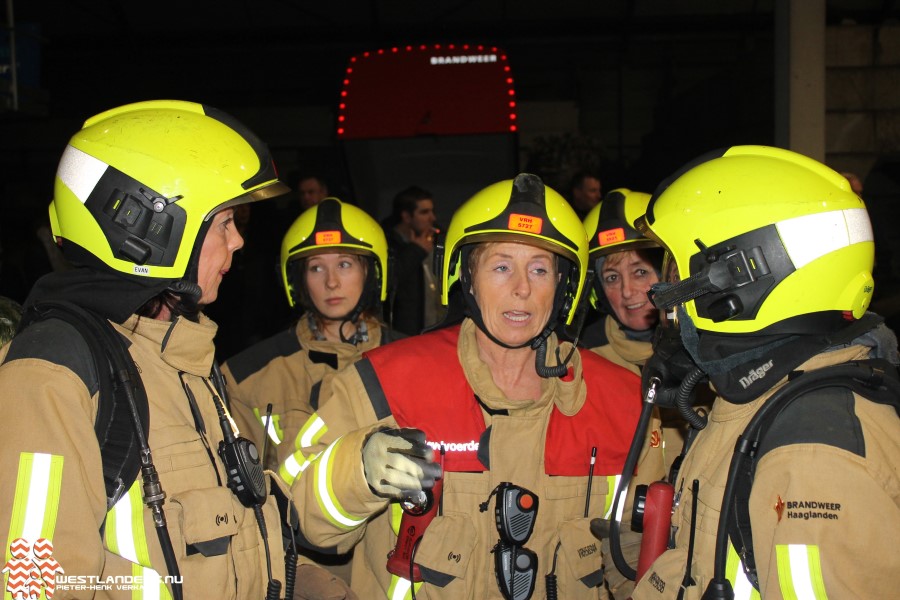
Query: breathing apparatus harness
122,429
875,380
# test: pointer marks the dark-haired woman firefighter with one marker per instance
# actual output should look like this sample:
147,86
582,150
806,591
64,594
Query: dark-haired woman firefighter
512,414
143,207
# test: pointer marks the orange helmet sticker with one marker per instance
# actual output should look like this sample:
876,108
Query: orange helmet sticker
525,223
328,237
611,236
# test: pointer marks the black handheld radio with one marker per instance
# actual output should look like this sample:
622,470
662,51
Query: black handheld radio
243,464
514,565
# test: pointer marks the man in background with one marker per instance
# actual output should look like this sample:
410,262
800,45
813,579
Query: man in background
414,300
585,192
311,189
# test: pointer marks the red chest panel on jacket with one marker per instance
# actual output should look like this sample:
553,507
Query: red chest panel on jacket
426,388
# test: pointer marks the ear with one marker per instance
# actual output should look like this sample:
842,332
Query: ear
406,217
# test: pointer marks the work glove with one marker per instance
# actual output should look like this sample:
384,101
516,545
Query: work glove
316,583
398,463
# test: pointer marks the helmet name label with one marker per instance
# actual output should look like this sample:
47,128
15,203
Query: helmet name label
526,223
141,270
611,236
328,237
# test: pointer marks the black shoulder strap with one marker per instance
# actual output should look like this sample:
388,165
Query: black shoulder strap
876,380
120,448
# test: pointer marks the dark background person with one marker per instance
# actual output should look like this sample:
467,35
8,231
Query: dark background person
414,301
585,192
311,189
143,205
768,278
508,401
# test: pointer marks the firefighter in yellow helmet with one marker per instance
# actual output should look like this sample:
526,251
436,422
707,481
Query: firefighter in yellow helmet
334,267
490,422
793,478
118,453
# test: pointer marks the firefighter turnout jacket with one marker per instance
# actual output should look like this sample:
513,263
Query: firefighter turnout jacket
282,371
436,382
824,505
51,478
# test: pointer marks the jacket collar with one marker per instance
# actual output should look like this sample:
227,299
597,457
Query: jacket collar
182,344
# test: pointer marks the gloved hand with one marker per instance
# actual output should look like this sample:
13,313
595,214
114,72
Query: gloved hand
315,583
398,463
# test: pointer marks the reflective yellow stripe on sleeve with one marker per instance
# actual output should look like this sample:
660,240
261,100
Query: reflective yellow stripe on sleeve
800,572
734,572
152,587
36,502
311,432
276,434
327,499
124,532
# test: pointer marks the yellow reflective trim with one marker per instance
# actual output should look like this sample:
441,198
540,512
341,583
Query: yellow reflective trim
311,432
734,572
400,588
153,586
800,572
125,532
396,516
612,482
325,496
274,430
36,500
293,465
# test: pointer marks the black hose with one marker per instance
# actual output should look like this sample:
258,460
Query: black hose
683,399
273,589
634,451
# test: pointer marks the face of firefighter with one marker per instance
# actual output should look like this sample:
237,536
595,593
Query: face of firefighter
626,277
219,246
334,283
514,285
